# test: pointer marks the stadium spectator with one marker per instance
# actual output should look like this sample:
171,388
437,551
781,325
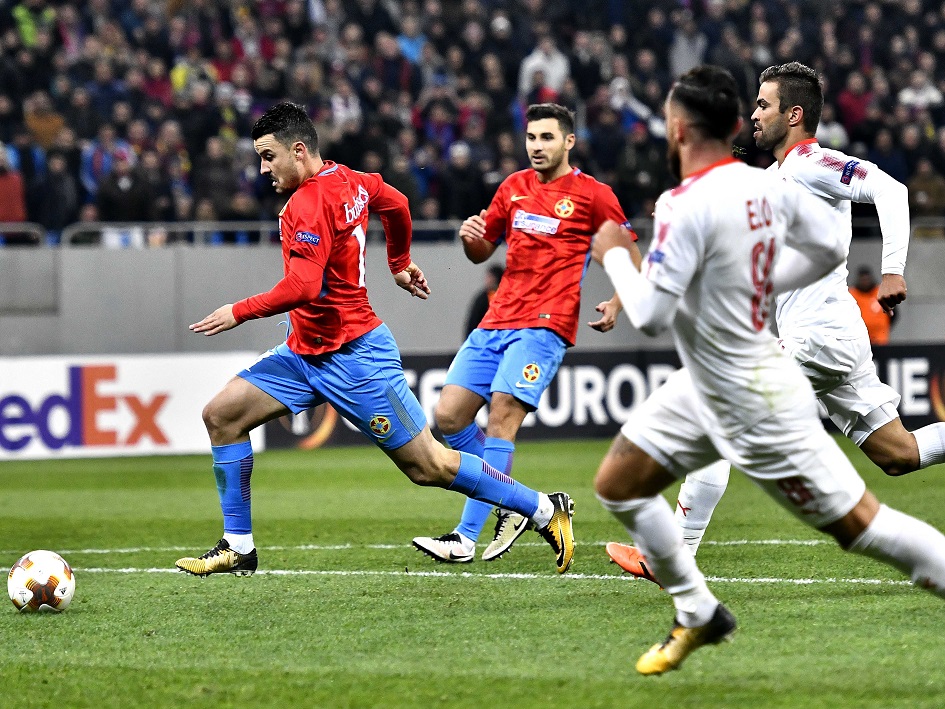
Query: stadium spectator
689,45
121,61
852,101
41,119
12,192
463,190
547,59
99,157
124,195
927,199
889,157
830,132
865,291
60,197
479,305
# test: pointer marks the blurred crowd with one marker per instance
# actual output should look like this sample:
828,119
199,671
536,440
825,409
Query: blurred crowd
140,110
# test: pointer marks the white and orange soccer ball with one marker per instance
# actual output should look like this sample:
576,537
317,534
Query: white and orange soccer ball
41,581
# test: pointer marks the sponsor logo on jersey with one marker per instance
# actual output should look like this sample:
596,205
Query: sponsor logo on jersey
531,372
848,171
380,426
526,221
308,237
564,208
353,211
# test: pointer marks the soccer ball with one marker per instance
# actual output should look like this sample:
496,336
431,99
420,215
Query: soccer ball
41,581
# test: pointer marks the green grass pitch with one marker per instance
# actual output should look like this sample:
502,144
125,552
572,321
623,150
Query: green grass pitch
347,614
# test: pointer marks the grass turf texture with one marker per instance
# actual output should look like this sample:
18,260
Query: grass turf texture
373,623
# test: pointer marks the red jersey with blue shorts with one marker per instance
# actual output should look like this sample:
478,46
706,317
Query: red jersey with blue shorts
339,351
322,228
548,229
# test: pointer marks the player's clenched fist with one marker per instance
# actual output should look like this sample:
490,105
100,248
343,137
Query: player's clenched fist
610,235
474,227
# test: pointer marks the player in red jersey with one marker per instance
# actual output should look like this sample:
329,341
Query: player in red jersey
547,216
338,351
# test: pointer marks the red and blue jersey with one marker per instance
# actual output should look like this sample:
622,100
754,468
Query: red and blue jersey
323,230
548,229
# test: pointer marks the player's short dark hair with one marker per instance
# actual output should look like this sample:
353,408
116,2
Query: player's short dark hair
564,116
798,85
287,123
709,95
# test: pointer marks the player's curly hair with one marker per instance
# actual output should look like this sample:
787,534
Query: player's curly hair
564,116
798,85
287,123
709,95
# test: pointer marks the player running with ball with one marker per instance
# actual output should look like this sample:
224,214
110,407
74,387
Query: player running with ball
338,350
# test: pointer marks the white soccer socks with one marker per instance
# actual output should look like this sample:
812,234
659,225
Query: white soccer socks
650,522
698,497
931,442
908,544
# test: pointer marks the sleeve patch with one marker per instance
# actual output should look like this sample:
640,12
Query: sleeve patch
656,256
308,237
849,170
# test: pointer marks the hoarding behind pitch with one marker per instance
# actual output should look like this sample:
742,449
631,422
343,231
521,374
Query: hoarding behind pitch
91,406
594,392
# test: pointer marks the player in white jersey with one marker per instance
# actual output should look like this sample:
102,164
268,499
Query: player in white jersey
725,240
820,325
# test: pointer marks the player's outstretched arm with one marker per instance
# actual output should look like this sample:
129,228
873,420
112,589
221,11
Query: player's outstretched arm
610,309
472,233
412,280
220,320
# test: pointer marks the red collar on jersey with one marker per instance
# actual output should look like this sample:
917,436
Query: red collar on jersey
806,141
693,176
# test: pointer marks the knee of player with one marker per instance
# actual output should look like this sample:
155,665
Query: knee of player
448,419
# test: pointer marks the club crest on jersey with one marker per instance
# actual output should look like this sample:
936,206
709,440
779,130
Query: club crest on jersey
564,208
380,426
353,211
531,372
308,237
526,221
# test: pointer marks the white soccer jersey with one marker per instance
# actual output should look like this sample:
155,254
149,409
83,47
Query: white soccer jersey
839,180
717,237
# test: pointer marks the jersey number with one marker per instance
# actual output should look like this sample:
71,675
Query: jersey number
362,240
762,259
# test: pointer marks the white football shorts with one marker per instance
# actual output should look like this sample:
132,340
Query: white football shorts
844,378
790,455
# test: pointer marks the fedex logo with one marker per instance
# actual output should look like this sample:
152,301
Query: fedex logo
79,408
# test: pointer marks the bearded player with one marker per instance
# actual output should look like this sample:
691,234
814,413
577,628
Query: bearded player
820,325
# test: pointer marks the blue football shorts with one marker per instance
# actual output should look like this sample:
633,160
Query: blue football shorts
520,363
363,381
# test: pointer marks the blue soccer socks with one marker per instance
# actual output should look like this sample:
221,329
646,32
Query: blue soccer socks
497,453
233,467
480,481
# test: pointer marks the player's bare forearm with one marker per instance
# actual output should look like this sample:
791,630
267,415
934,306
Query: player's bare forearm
472,234
220,320
892,291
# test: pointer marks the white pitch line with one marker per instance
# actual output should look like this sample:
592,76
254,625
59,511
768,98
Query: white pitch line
341,547
466,574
